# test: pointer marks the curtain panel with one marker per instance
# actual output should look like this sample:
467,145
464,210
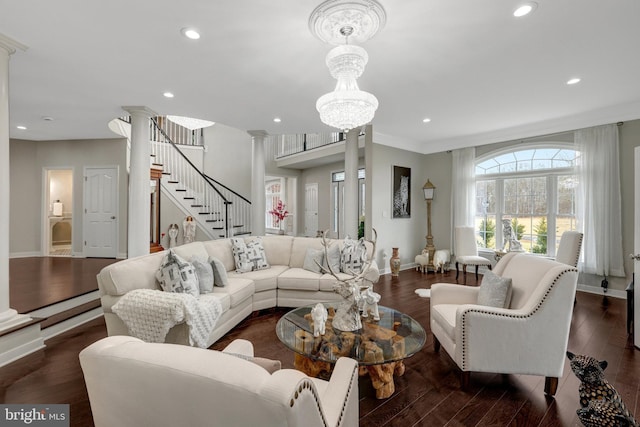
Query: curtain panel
463,189
598,200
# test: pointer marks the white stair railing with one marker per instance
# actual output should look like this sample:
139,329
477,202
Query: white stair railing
218,210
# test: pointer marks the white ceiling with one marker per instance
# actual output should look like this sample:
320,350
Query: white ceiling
480,74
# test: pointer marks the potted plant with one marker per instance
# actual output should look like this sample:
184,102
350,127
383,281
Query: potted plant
280,213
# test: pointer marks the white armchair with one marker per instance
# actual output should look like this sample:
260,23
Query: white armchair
132,383
466,250
569,248
529,337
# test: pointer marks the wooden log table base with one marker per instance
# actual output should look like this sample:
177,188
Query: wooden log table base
373,339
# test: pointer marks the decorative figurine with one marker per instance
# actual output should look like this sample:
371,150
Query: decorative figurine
370,299
319,315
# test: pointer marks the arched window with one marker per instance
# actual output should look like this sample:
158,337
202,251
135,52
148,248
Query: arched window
533,188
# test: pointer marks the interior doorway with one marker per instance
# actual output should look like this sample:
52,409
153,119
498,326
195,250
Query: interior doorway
58,212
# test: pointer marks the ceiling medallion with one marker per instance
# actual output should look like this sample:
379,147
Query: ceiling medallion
364,17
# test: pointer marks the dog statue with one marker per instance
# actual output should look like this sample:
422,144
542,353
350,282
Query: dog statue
370,299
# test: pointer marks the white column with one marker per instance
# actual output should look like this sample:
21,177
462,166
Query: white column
351,184
26,337
139,205
7,48
258,197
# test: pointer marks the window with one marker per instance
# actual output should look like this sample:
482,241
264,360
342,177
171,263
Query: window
531,189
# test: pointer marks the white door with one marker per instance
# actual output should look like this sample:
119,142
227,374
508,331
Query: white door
311,209
100,212
636,248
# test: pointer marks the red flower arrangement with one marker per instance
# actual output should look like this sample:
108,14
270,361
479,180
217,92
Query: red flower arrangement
279,212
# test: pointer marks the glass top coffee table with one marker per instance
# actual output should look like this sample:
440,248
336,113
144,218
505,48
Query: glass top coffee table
379,347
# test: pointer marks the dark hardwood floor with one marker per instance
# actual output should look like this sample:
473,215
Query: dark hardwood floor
428,394
41,281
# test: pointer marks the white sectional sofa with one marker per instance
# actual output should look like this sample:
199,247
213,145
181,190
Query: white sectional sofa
284,284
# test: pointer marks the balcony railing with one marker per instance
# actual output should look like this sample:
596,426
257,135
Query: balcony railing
288,145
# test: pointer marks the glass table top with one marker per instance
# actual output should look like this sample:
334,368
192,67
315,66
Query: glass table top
394,337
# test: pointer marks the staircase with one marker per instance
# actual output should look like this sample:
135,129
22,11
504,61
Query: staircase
219,211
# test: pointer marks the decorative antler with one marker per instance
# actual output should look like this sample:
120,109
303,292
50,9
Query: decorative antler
365,266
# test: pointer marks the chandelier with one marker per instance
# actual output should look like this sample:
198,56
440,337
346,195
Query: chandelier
335,22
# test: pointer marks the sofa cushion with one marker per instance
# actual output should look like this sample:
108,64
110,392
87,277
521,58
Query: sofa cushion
263,279
495,291
204,271
249,256
354,255
327,280
277,248
313,260
177,275
445,316
299,249
223,298
299,278
219,272
188,250
221,249
238,289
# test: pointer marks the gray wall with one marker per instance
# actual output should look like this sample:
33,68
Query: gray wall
28,161
227,157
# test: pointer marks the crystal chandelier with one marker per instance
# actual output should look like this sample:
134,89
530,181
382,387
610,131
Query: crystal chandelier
347,107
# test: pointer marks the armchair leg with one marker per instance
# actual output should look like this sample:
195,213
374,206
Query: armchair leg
464,380
550,385
436,344
477,272
457,271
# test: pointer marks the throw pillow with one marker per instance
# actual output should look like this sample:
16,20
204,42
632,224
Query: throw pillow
313,260
249,256
177,275
333,258
270,365
495,291
354,255
204,271
219,273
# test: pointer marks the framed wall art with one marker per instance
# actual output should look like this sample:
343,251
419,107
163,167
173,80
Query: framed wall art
401,197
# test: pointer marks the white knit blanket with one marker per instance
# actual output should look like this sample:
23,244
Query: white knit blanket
149,314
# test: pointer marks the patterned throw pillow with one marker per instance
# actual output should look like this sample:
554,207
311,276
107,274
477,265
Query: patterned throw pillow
354,255
204,271
249,256
495,291
178,275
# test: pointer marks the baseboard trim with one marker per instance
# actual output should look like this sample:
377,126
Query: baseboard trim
20,343
614,293
25,254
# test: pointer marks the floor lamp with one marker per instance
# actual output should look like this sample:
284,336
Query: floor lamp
429,192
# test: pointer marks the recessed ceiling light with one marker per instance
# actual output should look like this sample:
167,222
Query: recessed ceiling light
277,119
190,33
21,127
525,9
573,81
168,95
426,120
47,118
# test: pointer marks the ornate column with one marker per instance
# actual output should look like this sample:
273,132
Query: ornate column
139,205
25,337
258,197
351,184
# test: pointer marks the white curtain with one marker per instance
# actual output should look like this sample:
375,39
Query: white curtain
463,190
598,200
